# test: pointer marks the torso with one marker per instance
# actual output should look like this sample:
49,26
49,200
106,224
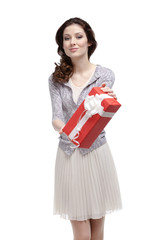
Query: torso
81,80
77,90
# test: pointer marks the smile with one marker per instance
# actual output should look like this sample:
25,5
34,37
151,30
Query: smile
73,49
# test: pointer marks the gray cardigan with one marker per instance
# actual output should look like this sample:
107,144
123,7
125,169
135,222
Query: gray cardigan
63,105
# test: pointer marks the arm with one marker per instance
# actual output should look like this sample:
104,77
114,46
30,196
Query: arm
58,125
108,83
57,111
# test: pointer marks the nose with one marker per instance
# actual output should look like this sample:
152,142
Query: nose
72,41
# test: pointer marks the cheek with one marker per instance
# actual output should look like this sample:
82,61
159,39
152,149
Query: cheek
64,45
83,44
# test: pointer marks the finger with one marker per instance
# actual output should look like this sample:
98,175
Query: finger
61,131
113,95
106,89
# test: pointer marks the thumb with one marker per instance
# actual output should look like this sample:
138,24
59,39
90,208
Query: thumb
61,130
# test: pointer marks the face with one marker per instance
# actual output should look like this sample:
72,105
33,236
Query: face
75,42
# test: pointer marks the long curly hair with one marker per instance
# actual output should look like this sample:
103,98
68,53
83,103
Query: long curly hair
64,70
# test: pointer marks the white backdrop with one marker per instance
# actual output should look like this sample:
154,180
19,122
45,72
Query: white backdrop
128,42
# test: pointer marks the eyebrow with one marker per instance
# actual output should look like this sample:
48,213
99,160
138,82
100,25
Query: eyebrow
75,33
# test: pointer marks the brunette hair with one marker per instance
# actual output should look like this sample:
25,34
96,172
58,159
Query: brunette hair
64,70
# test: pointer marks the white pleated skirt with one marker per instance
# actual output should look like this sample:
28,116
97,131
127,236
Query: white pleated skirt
86,186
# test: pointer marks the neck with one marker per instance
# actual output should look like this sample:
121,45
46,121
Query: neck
81,65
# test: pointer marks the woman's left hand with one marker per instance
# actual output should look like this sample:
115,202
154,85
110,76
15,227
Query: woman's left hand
108,90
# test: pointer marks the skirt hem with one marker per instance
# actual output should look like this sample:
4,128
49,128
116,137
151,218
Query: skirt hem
66,217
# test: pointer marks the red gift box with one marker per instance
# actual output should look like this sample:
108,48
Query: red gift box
91,117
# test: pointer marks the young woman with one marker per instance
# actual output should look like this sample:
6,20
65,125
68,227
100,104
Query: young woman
86,182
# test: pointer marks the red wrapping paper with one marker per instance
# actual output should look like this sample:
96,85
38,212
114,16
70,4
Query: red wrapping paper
89,131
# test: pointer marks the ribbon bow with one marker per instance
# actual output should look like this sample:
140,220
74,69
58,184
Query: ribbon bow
92,106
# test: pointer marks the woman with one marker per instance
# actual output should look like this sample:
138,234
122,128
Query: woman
86,182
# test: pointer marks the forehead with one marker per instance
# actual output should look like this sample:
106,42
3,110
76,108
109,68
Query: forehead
72,29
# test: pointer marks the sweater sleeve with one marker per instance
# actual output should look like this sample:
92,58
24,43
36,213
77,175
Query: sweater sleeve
56,101
108,77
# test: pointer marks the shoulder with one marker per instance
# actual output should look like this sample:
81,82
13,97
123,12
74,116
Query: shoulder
52,82
106,75
51,79
105,72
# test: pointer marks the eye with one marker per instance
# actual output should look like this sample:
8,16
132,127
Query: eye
79,37
66,38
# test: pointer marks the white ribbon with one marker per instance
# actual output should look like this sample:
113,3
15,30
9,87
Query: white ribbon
92,105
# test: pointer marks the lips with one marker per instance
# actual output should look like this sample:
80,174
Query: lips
73,49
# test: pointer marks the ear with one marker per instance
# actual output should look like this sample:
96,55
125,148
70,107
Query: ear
89,44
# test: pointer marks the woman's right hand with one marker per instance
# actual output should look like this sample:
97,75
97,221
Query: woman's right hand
60,132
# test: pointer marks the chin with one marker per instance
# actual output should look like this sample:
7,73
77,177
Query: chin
74,56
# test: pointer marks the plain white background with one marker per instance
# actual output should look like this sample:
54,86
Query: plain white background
128,39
